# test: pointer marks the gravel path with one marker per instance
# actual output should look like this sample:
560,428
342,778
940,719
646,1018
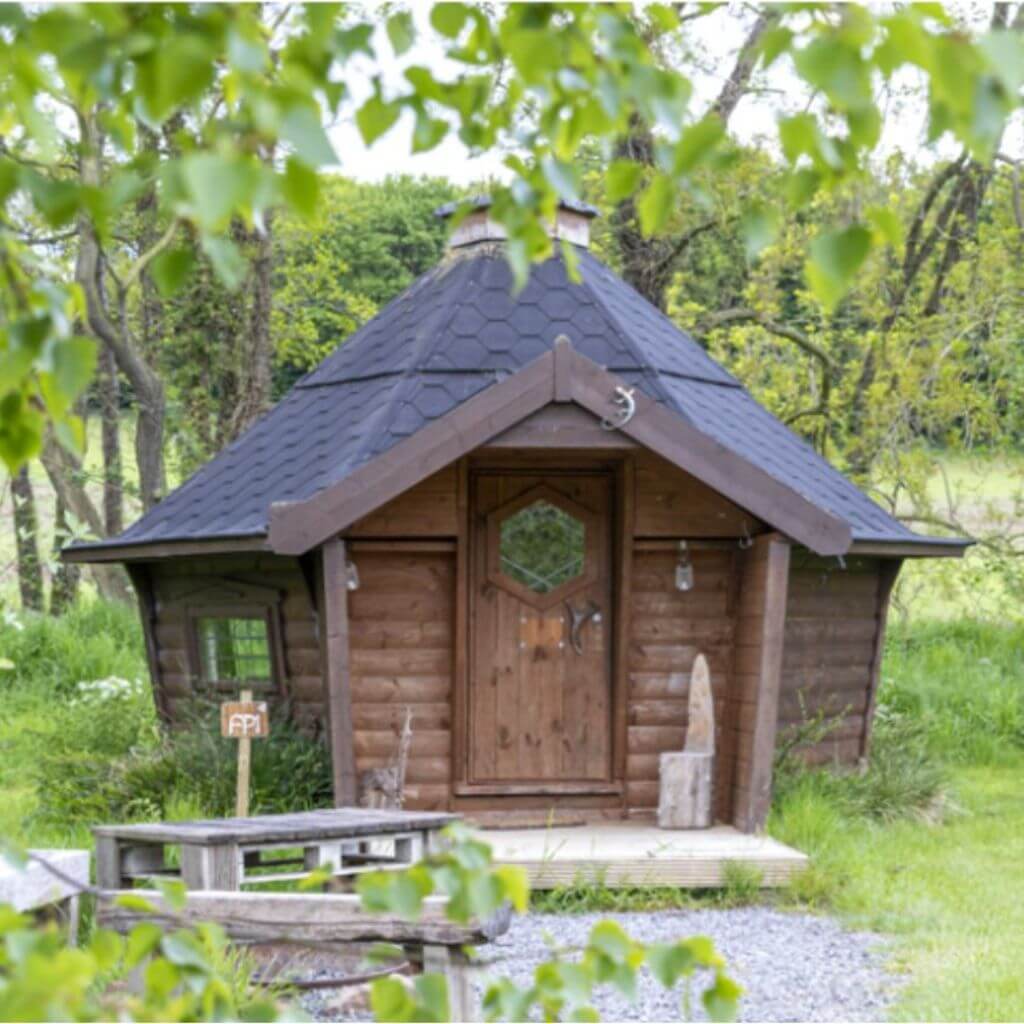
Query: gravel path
794,967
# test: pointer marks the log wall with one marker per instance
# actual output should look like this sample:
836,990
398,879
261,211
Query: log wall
668,629
834,625
402,632
401,625
221,581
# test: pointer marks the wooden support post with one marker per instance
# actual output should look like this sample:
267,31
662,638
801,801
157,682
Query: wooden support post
211,867
142,582
334,641
453,964
244,767
760,629
108,863
888,570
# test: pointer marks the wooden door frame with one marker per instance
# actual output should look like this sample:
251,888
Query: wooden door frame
619,466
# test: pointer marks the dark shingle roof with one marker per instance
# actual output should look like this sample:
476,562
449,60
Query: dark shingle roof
455,331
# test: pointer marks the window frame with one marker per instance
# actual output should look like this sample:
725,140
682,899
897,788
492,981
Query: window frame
588,570
265,612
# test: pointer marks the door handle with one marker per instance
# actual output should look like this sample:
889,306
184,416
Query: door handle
578,618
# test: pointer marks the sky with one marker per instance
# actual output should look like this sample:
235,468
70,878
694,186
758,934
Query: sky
716,40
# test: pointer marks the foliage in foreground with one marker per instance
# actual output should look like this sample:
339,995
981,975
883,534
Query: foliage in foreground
190,974
184,974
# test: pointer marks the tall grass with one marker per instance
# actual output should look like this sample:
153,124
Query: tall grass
963,683
80,742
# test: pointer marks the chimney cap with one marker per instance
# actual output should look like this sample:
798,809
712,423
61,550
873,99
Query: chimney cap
483,202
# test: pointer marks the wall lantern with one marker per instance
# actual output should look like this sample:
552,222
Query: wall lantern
684,569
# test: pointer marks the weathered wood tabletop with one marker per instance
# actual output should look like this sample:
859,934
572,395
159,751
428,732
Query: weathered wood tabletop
226,853
335,823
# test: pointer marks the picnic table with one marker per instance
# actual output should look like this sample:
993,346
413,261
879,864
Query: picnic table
227,853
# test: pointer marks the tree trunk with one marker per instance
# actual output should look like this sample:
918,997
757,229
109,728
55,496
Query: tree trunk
254,350
110,411
648,263
67,575
65,473
26,537
113,329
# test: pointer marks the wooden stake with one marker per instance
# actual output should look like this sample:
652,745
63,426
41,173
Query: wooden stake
244,767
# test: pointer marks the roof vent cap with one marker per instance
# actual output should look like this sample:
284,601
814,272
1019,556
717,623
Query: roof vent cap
572,222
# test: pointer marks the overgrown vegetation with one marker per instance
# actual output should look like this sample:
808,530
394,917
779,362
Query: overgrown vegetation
80,741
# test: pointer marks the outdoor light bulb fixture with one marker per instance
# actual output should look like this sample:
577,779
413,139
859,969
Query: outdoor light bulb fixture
684,569
351,576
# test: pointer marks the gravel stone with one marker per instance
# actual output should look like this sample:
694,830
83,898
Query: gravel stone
793,967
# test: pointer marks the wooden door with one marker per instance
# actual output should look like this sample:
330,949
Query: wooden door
539,694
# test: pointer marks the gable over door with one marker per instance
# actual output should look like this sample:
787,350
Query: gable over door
539,695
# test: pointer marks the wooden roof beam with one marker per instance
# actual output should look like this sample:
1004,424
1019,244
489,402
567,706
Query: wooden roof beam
561,375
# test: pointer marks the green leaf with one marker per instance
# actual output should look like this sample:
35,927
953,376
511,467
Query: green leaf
515,886
142,940
1005,53
183,949
228,262
835,259
303,127
176,73
561,176
428,132
887,224
106,946
401,32
721,1000
759,227
136,902
656,204
390,1000
448,19
670,962
174,892
801,186
55,199
300,188
622,178
170,269
798,135
218,185
246,51
697,143
774,42
432,990
376,117
611,940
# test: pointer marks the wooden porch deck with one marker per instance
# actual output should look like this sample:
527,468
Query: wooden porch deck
630,853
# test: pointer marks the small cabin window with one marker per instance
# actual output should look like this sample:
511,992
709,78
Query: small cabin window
235,651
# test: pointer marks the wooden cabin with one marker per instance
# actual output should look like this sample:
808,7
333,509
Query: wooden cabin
521,516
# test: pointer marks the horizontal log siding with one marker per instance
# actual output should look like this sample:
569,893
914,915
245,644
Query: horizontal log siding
401,629
832,627
671,503
182,583
668,628
426,510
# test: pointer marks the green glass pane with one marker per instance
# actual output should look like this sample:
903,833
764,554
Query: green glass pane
542,546
234,651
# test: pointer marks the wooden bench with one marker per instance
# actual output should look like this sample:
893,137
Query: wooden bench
33,889
324,918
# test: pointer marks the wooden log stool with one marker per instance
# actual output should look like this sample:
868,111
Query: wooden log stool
685,794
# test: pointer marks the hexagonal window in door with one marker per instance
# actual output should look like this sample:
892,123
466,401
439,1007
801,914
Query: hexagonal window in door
538,545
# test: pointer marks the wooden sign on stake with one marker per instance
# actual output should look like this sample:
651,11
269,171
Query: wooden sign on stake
244,720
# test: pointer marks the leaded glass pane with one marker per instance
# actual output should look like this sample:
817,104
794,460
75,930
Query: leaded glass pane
542,546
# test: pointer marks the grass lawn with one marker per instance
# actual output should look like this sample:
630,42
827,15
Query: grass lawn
951,894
